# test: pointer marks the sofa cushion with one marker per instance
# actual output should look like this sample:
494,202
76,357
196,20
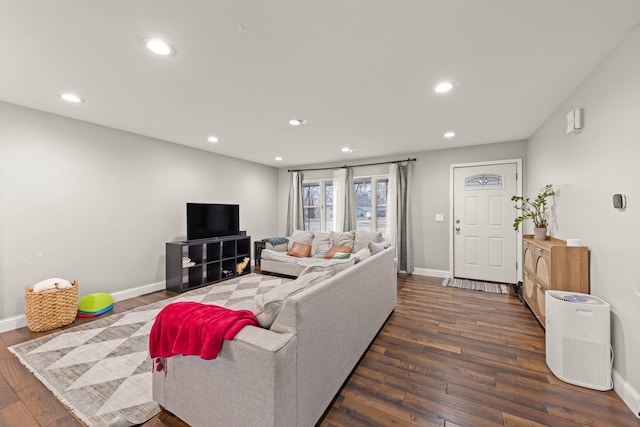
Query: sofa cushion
277,256
320,240
332,266
299,250
300,236
267,305
363,238
342,239
338,248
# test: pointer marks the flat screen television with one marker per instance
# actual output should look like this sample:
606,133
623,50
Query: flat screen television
205,220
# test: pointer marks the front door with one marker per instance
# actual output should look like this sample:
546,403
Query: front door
485,243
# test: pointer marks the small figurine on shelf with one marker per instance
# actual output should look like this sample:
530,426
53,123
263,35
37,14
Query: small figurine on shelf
241,265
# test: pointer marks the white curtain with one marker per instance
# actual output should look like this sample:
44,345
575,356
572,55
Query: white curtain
399,215
295,209
344,205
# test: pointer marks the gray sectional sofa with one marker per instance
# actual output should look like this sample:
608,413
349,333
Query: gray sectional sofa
274,259
288,374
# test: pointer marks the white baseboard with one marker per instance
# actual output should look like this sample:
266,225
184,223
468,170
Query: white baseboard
19,321
13,322
430,272
628,395
137,291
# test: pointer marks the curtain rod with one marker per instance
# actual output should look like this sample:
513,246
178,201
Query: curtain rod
352,166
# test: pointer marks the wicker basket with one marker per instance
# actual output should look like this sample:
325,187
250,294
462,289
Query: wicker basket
50,309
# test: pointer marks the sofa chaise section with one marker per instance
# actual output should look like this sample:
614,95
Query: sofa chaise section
289,374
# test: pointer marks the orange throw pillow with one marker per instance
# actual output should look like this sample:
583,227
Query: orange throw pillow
337,248
300,250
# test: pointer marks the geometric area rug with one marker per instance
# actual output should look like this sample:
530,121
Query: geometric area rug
495,288
101,370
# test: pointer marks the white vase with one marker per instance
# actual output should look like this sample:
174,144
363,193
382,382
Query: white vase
540,233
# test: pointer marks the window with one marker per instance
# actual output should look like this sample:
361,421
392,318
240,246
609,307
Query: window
371,204
485,181
317,200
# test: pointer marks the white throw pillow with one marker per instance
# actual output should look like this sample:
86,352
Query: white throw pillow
320,240
376,247
342,239
300,236
322,250
362,254
364,237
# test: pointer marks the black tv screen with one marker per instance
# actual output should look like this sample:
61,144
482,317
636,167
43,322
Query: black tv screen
205,220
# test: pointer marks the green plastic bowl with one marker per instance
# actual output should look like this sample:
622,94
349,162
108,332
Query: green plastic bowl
95,302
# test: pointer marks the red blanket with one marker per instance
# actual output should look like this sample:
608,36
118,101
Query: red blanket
192,329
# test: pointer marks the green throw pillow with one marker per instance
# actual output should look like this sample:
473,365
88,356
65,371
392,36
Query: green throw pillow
341,255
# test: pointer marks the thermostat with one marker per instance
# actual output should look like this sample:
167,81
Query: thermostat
619,201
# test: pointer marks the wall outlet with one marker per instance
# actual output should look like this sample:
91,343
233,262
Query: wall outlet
439,217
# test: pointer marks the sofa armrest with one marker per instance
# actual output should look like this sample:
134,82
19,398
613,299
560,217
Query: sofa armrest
251,382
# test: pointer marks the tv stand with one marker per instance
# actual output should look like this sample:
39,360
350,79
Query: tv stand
212,259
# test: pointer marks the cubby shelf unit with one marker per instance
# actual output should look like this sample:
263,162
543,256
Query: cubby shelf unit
214,259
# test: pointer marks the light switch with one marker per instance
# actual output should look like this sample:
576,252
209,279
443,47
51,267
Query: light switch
439,217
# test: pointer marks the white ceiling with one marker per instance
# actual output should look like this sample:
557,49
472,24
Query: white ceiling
360,71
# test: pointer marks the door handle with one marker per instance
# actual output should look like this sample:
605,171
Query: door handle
458,229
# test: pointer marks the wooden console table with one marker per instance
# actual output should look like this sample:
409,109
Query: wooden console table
552,265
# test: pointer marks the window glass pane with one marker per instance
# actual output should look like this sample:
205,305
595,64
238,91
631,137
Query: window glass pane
382,219
311,194
381,188
311,204
328,211
312,218
362,188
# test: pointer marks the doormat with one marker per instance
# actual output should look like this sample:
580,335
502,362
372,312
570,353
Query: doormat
101,370
494,288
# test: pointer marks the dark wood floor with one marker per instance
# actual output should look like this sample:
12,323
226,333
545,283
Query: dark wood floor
446,357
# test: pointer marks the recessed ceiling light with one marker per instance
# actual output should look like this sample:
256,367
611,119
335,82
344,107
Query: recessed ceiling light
278,159
443,87
212,139
298,122
346,149
449,134
70,97
158,46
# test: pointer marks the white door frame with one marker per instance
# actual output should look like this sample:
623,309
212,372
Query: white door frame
519,180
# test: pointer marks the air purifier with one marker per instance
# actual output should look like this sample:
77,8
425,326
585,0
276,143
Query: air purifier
578,339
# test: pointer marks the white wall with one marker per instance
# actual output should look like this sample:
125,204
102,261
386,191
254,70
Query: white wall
429,194
587,170
86,201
